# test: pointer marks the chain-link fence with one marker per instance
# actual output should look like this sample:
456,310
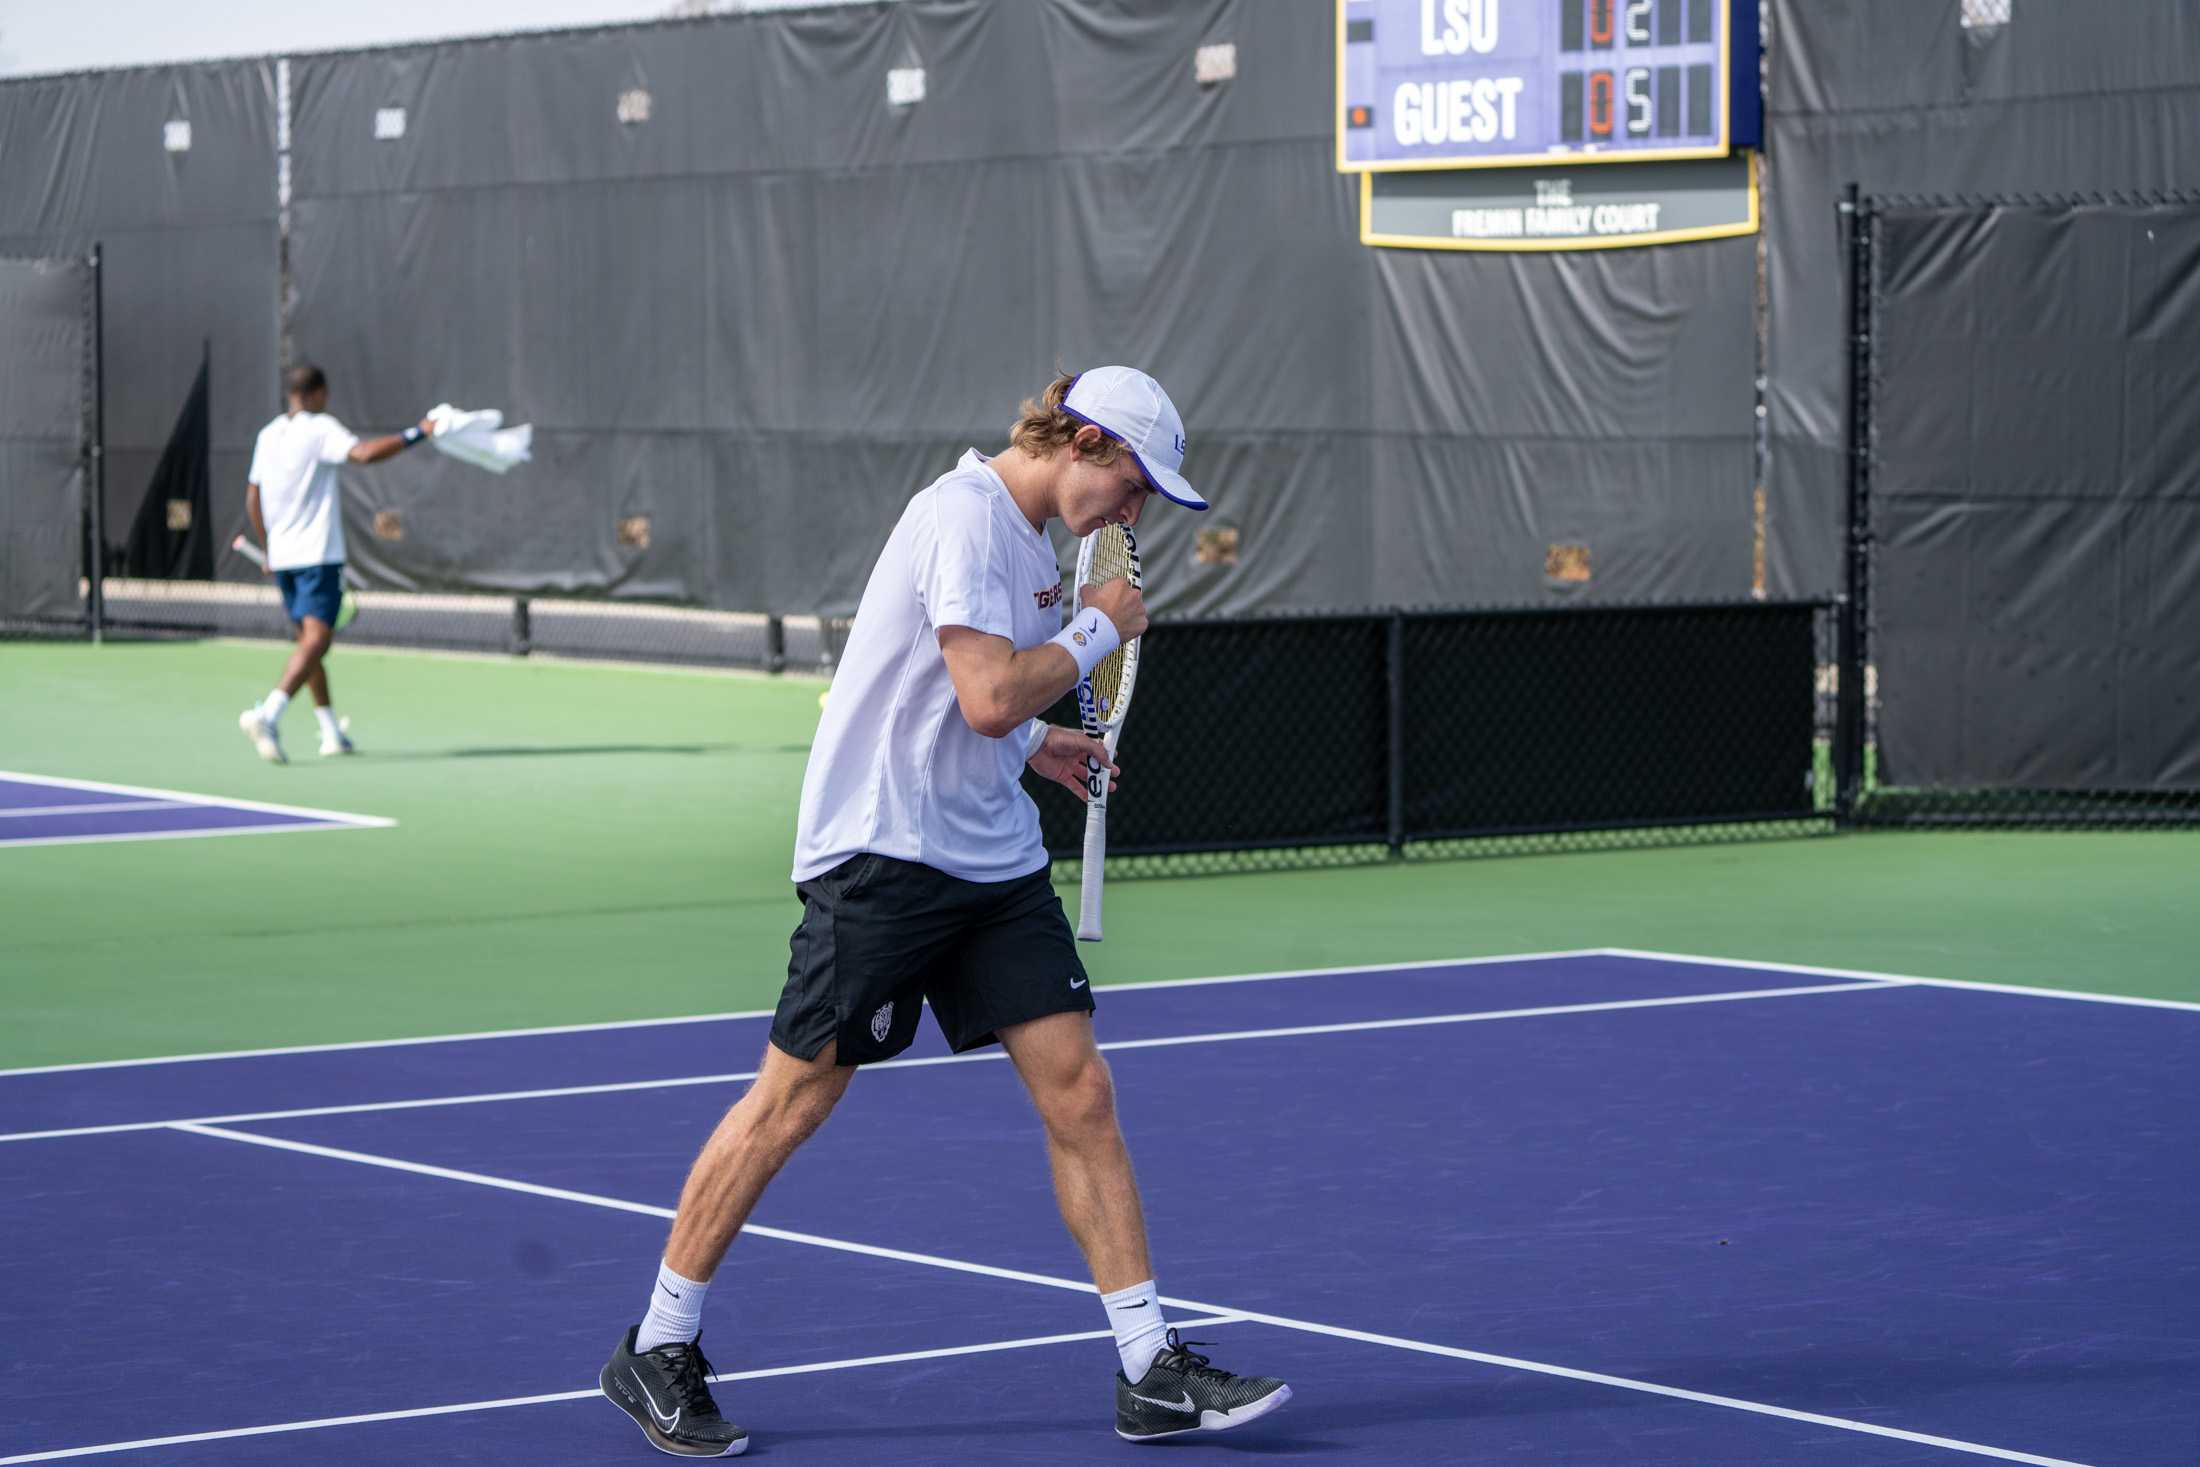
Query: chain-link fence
1309,741
1294,741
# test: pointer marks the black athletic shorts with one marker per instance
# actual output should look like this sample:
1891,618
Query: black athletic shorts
879,936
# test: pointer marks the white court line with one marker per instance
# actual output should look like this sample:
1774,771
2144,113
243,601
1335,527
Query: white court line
1416,965
1509,1362
1481,1016
203,833
1621,1382
1293,1031
339,816
226,1054
185,1059
430,1102
113,807
556,1397
1816,972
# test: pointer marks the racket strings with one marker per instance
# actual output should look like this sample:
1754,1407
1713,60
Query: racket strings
1112,558
1107,681
1111,555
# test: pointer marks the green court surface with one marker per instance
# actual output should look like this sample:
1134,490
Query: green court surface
578,843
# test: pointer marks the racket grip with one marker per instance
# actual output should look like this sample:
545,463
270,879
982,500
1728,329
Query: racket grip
1096,853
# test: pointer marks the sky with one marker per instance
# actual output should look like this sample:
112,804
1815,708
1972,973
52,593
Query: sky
77,35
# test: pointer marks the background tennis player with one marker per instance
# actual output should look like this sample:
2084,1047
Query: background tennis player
292,501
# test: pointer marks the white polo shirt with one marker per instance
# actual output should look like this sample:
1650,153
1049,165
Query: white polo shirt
896,769
294,463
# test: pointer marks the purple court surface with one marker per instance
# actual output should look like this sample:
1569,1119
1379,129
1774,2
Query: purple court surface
1597,1209
39,810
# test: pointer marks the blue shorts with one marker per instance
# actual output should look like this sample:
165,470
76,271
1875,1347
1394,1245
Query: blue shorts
314,590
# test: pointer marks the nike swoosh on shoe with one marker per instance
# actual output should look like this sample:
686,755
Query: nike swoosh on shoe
672,1422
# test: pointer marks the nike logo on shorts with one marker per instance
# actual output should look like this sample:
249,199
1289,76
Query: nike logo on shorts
1078,982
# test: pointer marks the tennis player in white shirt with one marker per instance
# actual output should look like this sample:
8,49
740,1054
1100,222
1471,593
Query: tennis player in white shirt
923,879
292,500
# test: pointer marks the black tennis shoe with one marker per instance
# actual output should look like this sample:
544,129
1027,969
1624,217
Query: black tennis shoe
667,1392
1182,1392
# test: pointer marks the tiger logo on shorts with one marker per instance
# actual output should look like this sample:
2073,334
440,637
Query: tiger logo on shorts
882,1021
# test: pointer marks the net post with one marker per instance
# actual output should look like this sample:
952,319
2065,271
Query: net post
775,644
1394,669
1850,720
523,630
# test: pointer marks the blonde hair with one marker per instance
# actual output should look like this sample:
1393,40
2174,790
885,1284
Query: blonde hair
1045,425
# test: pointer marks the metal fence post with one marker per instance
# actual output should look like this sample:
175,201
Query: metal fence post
1851,727
1394,658
95,570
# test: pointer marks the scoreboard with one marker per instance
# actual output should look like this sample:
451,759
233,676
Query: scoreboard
1509,83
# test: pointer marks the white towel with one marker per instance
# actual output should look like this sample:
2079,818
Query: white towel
480,438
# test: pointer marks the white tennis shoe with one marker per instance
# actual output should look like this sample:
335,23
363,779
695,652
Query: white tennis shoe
339,742
262,733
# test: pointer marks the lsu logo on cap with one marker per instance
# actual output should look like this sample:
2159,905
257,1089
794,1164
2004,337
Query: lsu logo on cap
1180,445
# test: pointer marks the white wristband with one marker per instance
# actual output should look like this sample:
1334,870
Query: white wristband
1089,637
1037,737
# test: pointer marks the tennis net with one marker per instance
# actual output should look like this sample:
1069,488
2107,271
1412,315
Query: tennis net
493,624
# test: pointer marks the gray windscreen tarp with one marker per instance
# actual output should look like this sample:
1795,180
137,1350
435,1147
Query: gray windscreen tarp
1902,98
751,306
45,391
2035,496
189,241
751,319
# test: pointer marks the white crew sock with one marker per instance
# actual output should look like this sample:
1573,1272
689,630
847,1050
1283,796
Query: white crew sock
1140,1330
272,707
326,717
675,1311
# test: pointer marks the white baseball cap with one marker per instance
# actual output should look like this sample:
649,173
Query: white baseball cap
1126,404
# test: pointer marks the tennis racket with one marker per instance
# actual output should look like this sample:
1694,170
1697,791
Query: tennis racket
1103,699
346,609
